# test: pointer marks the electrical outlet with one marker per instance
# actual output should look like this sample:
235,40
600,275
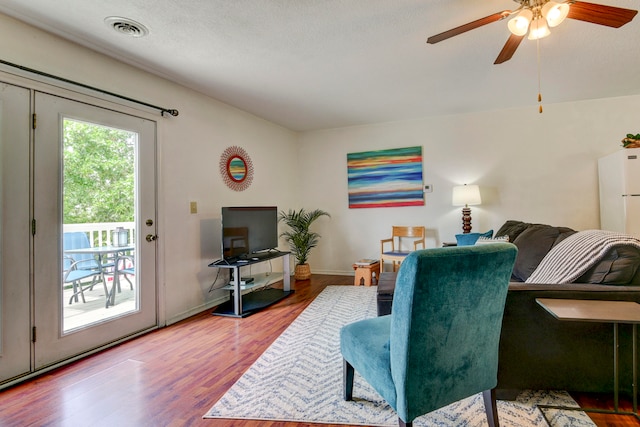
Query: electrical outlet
428,188
193,206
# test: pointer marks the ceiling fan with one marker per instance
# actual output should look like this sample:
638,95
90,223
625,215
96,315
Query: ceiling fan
536,16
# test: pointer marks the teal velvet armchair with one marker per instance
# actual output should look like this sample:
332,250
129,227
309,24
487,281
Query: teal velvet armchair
440,342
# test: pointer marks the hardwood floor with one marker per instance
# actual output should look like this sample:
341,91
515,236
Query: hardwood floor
590,400
172,376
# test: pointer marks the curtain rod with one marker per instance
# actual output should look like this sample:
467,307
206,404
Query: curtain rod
163,110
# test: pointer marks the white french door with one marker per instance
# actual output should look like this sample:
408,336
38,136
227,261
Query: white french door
54,342
15,313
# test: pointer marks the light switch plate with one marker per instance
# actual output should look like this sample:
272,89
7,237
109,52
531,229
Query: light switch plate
193,206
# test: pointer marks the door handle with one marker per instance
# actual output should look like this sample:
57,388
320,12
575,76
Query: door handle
151,237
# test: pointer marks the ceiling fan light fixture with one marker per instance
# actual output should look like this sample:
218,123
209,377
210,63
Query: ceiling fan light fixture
539,29
555,13
520,24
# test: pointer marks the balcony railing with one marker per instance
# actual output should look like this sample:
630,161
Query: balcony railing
100,233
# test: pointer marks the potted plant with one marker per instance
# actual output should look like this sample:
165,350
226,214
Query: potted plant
300,239
631,141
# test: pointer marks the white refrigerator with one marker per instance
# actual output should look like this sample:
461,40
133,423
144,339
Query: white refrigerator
619,178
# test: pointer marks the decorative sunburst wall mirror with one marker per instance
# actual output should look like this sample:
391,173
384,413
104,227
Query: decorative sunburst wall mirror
236,168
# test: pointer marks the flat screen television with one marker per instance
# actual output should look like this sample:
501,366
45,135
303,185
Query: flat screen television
248,230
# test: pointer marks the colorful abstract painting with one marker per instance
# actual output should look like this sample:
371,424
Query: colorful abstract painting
385,178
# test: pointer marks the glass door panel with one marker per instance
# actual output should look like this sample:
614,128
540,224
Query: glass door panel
98,211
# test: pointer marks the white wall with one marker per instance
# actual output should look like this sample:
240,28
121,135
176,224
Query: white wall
531,167
191,149
190,146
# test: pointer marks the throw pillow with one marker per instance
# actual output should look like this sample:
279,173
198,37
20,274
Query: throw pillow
533,244
470,239
512,229
485,240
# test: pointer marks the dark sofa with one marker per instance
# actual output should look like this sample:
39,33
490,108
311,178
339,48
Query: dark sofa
542,353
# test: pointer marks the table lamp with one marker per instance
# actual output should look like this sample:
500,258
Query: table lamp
465,195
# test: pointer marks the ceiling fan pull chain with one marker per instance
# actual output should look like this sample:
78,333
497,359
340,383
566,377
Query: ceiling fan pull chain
539,90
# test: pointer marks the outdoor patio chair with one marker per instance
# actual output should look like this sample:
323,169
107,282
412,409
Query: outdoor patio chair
124,265
78,267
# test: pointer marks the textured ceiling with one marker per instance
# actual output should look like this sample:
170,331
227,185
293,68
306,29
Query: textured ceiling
314,64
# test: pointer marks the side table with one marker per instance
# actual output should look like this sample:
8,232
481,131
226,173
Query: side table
365,273
614,312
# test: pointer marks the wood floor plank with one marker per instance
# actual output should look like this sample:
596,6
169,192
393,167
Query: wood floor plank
172,376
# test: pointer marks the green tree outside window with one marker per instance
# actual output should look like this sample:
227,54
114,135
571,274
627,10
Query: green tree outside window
99,172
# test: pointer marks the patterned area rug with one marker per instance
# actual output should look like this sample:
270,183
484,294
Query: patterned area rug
299,378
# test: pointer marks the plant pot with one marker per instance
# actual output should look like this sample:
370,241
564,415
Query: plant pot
302,272
631,143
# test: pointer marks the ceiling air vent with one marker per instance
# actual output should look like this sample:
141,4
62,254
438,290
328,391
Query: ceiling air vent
126,26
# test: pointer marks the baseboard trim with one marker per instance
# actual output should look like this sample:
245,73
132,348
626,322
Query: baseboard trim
333,272
196,310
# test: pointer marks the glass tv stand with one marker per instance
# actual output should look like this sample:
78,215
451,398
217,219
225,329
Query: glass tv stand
243,305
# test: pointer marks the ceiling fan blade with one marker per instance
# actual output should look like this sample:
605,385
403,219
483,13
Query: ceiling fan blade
600,14
469,26
509,49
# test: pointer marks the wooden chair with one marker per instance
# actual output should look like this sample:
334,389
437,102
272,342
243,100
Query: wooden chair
396,254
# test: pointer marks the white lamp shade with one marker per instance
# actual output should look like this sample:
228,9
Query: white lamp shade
466,195
539,29
555,13
520,24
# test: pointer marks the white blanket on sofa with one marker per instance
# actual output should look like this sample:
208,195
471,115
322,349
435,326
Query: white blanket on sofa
576,254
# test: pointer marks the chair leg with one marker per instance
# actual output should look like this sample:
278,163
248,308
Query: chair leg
403,424
347,379
126,276
93,282
106,288
490,407
111,294
77,289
